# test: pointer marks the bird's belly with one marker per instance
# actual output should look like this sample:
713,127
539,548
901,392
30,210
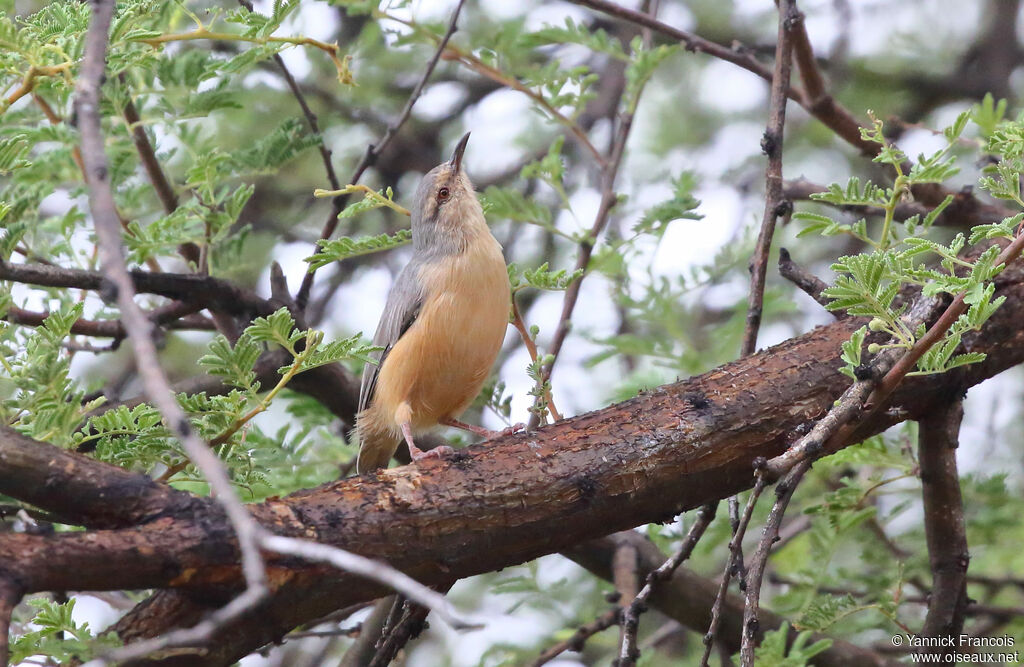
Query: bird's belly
446,356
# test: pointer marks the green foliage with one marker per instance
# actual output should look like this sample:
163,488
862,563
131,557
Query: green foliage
680,207
494,397
58,637
46,403
336,250
542,278
868,283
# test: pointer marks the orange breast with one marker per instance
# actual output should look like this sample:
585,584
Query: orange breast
440,364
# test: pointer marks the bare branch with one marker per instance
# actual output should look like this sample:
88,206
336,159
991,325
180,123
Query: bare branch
576,641
808,283
734,562
943,521
775,206
688,597
751,624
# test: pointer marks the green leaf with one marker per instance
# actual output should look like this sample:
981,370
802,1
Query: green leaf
680,207
335,250
233,363
545,279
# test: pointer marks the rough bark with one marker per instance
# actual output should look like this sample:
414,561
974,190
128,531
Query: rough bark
496,505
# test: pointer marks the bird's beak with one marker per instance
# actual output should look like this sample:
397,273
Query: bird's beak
460,148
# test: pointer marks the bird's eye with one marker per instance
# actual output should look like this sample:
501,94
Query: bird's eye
443,194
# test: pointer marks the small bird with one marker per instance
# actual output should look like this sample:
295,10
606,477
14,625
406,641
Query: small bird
442,326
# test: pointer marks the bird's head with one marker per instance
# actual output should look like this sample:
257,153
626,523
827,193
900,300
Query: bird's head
445,205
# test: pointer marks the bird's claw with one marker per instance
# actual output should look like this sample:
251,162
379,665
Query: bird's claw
435,453
518,427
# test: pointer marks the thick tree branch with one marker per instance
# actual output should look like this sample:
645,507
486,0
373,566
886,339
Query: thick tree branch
90,494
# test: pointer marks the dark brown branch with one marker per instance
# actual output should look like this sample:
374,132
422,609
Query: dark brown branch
775,206
943,521
752,608
200,291
362,650
809,284
96,496
373,151
408,627
111,328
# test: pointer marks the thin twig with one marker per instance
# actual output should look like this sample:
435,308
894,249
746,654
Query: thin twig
406,622
361,651
374,150
629,653
809,284
755,574
576,641
531,348
734,550
161,184
943,521
775,206
482,68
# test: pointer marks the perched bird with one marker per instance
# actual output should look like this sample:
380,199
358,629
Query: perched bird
443,323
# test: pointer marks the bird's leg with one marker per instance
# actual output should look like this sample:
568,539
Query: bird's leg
416,453
484,433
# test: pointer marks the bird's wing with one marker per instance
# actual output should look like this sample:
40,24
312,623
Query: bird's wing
403,305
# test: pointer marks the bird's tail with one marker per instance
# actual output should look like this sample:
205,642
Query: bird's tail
377,443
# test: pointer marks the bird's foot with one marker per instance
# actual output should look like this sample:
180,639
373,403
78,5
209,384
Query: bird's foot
417,454
485,433
518,427
435,453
